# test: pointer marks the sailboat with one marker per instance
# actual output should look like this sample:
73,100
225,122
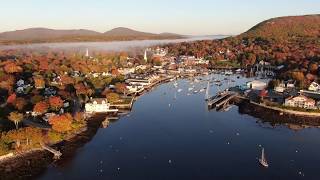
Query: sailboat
263,160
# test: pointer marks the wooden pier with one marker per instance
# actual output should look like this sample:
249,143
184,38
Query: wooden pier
221,101
57,154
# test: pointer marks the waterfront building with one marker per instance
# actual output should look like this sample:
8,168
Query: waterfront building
256,85
314,87
300,101
135,88
98,105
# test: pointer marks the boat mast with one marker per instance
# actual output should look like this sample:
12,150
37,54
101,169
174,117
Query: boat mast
208,91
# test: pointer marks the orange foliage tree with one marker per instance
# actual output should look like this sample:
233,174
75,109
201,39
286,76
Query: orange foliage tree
41,107
55,102
39,82
12,68
61,123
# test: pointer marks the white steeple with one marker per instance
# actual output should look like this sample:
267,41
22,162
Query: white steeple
145,56
87,53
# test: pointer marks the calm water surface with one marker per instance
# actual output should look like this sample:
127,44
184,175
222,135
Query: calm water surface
186,141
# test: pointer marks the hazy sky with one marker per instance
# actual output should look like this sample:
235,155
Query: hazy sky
196,17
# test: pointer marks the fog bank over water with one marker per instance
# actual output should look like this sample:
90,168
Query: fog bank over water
105,46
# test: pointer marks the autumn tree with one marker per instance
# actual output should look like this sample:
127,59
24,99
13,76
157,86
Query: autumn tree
41,107
12,68
61,123
121,88
39,82
16,118
12,98
55,102
20,103
113,97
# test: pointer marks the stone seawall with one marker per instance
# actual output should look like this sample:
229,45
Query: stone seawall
274,115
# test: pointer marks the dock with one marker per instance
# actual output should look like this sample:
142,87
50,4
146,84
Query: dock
221,100
57,154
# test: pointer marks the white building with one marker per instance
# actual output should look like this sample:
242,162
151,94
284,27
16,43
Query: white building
135,88
99,105
314,87
300,101
256,85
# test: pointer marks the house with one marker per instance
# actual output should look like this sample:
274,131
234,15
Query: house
280,88
135,88
300,101
146,81
20,83
314,87
256,85
99,105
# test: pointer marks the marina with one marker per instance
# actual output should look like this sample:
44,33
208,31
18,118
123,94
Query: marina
130,146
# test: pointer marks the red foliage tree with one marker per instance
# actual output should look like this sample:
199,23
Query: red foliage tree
12,98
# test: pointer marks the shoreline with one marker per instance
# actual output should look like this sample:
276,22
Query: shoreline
32,163
276,115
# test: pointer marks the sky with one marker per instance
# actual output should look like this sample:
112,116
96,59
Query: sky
187,17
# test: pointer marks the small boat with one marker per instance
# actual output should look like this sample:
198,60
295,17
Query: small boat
195,92
228,73
202,90
190,89
263,160
175,84
179,90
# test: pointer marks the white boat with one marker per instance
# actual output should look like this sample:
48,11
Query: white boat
175,84
263,160
228,73
179,90
202,90
190,89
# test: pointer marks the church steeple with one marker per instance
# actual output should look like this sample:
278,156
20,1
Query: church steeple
87,53
145,56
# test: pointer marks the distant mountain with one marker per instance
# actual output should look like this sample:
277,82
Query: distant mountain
44,33
286,28
121,31
39,35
